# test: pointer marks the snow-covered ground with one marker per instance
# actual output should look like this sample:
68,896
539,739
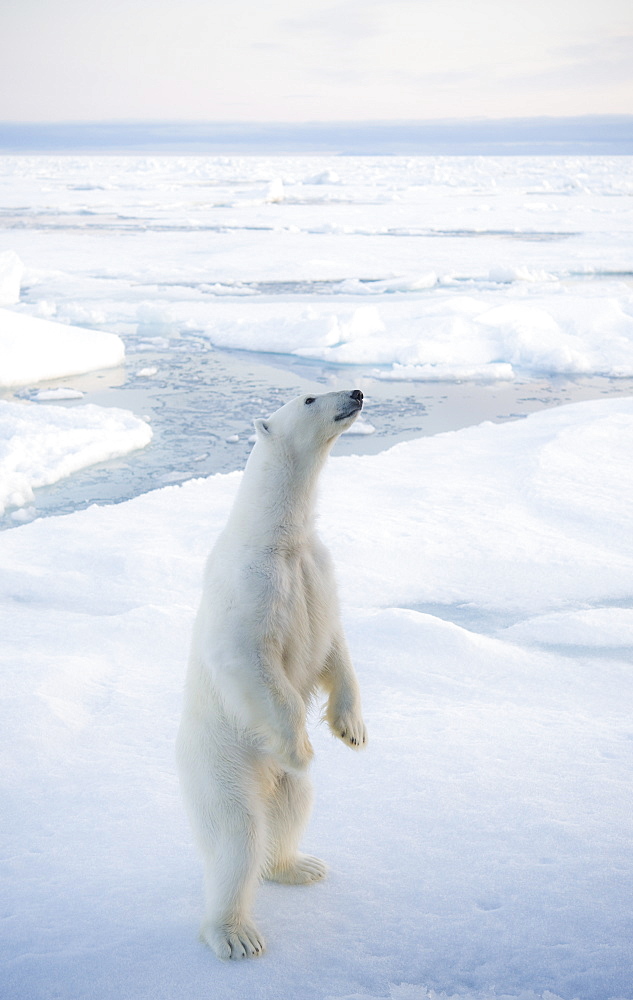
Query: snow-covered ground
480,847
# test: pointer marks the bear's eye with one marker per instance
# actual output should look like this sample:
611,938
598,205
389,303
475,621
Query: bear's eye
309,400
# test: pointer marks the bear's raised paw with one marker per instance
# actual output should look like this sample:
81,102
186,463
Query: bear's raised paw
351,731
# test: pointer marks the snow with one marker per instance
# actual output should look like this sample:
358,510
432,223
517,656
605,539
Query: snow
40,445
479,849
33,349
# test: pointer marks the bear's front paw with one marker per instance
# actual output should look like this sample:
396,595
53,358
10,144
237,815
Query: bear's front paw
349,728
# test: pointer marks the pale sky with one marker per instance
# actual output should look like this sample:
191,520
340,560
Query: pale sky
313,60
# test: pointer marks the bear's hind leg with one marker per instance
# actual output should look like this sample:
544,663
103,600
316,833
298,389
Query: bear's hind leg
227,814
289,807
232,865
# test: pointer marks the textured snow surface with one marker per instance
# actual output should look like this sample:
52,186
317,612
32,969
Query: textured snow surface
479,849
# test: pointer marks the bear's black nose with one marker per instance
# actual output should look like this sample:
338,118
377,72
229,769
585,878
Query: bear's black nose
357,395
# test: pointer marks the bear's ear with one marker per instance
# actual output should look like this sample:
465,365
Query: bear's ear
262,427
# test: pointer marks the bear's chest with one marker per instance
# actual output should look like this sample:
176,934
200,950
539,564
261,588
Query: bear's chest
299,613
298,587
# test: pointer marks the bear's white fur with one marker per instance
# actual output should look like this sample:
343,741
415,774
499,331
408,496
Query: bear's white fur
267,637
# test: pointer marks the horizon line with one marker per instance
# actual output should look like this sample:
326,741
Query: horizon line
318,121
528,135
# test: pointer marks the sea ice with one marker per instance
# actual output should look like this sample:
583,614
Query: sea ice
33,349
444,335
11,270
60,393
276,192
276,254
360,428
485,835
486,576
324,177
40,445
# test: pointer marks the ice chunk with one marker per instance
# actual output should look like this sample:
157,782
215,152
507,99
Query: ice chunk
32,349
400,283
48,395
11,269
361,427
493,372
324,177
276,191
504,274
40,445
155,319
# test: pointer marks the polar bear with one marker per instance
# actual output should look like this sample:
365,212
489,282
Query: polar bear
267,637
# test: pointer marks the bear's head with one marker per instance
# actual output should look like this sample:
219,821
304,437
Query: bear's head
310,423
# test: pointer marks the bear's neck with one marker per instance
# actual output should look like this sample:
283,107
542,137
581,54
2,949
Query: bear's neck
275,504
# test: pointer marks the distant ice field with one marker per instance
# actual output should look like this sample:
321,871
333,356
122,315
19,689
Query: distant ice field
451,289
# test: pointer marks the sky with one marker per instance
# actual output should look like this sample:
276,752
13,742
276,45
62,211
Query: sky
313,60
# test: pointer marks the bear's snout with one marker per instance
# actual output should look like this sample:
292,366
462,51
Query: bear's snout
356,398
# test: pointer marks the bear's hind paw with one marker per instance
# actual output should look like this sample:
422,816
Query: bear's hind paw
301,871
240,941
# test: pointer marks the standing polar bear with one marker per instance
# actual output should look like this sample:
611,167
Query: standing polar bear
267,636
